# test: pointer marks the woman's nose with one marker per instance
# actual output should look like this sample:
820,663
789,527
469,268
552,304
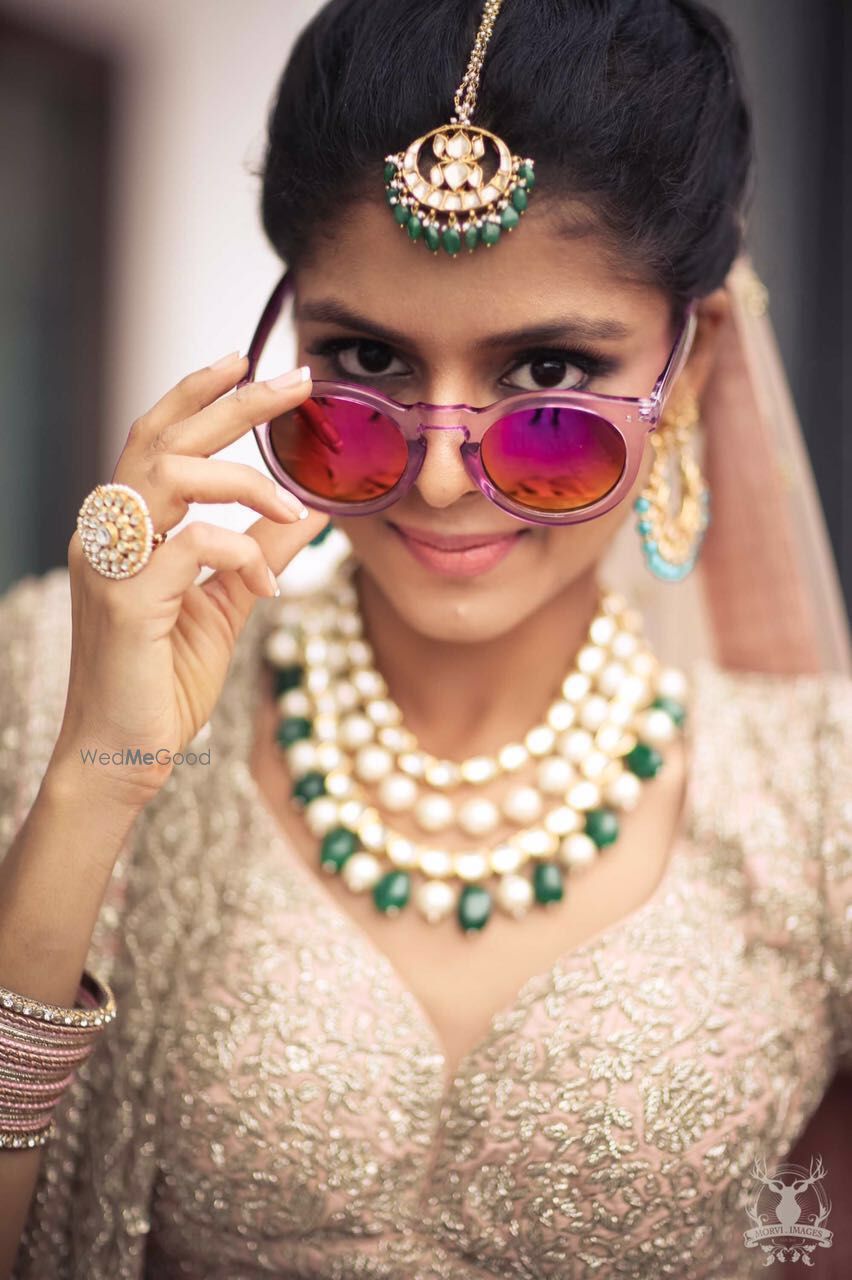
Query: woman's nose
443,478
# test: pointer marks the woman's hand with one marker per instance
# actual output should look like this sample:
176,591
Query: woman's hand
150,653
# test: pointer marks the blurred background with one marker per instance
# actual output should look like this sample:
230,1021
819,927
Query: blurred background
131,250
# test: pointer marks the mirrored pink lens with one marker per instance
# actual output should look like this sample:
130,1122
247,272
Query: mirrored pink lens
339,449
553,459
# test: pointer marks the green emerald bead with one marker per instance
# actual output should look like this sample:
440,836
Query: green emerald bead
415,227
337,846
644,760
432,237
392,891
309,786
547,882
451,240
490,233
676,709
520,199
390,170
602,826
509,217
391,195
474,909
401,213
292,728
288,678
471,237
321,536
526,172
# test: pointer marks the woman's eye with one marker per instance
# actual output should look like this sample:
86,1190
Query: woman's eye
360,358
548,372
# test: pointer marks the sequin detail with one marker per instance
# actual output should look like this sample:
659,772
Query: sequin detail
270,1099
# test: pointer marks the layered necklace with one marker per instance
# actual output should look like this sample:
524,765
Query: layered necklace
356,768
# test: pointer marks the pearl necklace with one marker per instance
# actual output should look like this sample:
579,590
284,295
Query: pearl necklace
352,759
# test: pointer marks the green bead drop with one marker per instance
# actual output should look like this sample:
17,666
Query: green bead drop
602,826
675,709
526,172
471,237
391,195
520,199
292,728
451,240
509,217
392,891
432,237
401,213
322,535
644,760
390,170
490,233
415,227
474,909
337,845
309,786
287,678
547,882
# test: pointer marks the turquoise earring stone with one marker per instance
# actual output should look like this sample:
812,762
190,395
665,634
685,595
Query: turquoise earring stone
667,570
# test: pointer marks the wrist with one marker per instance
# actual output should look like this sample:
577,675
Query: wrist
76,778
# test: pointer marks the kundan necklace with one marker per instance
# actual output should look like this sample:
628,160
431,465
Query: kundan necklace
355,765
472,188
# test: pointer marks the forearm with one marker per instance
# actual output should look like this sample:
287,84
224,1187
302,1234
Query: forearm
52,884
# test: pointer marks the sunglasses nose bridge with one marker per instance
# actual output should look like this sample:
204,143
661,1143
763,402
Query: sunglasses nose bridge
425,425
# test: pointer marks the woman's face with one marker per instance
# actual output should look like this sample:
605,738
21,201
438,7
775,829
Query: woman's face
456,330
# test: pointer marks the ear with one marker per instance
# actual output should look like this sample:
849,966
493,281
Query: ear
710,312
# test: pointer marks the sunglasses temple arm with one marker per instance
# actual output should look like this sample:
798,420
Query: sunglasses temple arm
677,359
265,324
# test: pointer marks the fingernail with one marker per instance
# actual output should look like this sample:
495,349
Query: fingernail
291,379
292,503
225,360
274,581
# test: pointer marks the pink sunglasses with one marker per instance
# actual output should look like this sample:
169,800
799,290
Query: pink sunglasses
545,457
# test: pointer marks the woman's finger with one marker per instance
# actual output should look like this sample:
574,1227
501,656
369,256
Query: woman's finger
278,544
187,397
172,481
220,424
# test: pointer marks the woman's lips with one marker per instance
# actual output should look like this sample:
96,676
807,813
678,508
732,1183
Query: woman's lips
460,556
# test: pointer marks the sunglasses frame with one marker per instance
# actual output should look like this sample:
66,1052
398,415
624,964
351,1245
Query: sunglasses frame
631,416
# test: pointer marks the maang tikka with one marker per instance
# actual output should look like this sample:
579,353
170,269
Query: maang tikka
475,189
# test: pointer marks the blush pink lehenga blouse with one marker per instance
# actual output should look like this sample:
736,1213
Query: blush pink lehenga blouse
270,1100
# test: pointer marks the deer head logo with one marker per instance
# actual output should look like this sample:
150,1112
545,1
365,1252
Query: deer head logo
793,1235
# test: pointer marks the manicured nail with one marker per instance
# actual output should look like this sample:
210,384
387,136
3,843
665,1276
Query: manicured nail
292,503
274,581
291,379
225,361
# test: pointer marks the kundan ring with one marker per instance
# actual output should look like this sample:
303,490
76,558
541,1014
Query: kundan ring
115,528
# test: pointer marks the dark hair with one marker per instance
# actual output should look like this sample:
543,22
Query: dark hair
634,106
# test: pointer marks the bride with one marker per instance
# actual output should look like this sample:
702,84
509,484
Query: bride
483,909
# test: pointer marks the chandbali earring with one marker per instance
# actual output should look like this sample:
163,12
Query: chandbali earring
472,188
671,541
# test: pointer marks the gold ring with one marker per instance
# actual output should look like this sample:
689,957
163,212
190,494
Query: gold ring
115,528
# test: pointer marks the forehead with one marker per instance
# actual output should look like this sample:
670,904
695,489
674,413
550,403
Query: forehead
534,273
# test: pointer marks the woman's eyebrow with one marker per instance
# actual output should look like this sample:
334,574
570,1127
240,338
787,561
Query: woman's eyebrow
583,328
580,328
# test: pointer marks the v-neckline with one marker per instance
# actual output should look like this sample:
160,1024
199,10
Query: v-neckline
341,921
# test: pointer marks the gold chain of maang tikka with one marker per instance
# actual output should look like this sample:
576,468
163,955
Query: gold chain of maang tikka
473,187
470,84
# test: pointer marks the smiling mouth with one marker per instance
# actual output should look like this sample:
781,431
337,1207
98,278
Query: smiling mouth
460,542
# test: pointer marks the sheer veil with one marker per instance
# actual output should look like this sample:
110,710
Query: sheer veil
765,593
